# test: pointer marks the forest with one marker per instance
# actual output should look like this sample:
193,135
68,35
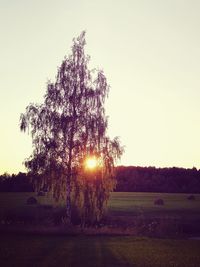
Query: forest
129,179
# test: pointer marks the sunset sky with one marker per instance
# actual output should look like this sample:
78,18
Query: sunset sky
149,51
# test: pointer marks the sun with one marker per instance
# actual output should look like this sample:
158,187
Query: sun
91,163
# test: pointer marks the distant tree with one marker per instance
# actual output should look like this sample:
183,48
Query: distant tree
67,128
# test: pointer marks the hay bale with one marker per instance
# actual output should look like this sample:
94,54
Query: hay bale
159,201
31,201
191,197
46,207
41,194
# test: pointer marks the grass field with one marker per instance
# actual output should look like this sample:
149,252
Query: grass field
65,251
120,203
177,216
124,209
137,203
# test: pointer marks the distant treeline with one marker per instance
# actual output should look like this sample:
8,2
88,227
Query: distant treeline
129,179
20,182
151,179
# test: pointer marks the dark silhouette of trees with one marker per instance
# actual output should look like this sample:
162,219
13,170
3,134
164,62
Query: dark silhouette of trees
151,179
67,128
129,179
20,182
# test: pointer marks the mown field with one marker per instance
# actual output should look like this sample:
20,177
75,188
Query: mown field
93,251
151,246
124,208
120,204
126,204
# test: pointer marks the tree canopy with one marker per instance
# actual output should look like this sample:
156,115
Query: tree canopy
69,126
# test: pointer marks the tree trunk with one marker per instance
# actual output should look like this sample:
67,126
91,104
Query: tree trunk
68,198
69,171
68,183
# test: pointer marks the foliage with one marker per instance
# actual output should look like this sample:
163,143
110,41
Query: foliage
151,179
20,182
129,179
69,126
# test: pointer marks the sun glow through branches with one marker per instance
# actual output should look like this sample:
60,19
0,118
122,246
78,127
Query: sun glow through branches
91,163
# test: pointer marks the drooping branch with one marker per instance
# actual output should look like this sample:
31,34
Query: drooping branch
69,126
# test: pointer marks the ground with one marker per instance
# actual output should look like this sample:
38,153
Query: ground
156,243
97,251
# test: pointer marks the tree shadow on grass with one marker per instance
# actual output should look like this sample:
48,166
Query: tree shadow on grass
28,250
62,251
93,252
80,252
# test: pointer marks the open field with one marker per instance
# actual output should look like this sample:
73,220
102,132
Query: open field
65,251
124,209
136,203
120,203
136,211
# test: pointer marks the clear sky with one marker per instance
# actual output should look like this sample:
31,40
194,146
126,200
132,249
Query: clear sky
150,53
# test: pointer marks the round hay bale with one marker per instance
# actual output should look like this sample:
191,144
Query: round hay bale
191,197
47,207
31,201
159,201
41,194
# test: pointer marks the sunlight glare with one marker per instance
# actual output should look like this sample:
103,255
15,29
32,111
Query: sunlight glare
91,163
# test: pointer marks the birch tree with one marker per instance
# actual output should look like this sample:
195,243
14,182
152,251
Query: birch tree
67,128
